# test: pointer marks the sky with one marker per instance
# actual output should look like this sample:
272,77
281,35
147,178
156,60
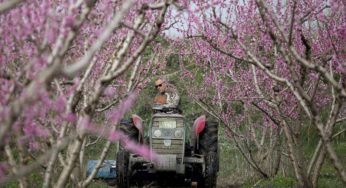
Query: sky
180,17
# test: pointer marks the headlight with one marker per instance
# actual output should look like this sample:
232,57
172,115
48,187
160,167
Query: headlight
178,133
157,133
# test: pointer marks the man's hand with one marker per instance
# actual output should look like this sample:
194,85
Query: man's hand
160,99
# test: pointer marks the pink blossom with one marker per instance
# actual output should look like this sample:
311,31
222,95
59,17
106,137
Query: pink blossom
116,114
4,169
140,149
110,91
71,118
115,136
59,104
69,21
33,145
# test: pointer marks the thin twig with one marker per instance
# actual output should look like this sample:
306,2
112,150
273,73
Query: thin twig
338,133
115,101
133,29
340,120
308,14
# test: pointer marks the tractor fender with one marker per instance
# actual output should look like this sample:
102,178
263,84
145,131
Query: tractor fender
199,124
138,122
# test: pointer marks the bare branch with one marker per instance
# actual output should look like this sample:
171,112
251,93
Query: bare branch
133,29
8,5
69,109
156,6
207,109
292,23
154,31
37,164
310,13
170,25
126,44
13,164
267,114
251,128
320,69
133,74
338,133
212,44
105,150
326,136
115,101
258,90
254,164
277,78
340,120
264,10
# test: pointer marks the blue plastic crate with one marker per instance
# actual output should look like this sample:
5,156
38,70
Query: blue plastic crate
106,171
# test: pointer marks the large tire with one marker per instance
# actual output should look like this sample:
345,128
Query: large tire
111,182
129,129
123,171
208,145
208,139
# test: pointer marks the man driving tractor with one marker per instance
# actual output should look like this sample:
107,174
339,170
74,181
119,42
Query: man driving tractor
181,152
168,94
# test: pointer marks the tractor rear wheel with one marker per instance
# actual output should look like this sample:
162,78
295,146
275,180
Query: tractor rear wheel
208,139
129,129
208,145
123,170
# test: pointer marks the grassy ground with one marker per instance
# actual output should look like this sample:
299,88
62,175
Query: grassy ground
234,171
328,179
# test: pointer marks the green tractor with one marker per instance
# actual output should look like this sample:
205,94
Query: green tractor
181,153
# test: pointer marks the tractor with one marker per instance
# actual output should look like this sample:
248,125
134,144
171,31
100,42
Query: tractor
183,154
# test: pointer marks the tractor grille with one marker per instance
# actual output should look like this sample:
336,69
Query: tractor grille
159,121
167,143
175,147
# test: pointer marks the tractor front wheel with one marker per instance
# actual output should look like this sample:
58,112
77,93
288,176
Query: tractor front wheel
123,171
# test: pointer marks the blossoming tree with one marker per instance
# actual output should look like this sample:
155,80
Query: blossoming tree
62,64
282,59
269,68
